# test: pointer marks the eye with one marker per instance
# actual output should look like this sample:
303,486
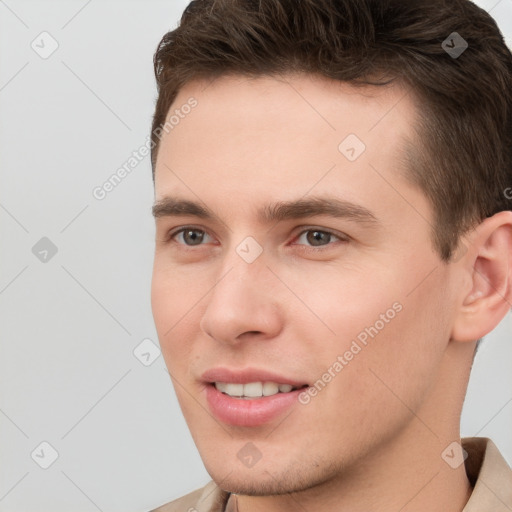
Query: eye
189,236
318,238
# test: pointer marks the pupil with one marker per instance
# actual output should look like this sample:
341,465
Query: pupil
316,236
192,236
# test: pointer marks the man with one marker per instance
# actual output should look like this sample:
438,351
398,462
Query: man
333,237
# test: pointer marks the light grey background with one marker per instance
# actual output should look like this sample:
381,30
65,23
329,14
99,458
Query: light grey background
68,373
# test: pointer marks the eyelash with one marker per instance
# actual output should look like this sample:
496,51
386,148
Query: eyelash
341,238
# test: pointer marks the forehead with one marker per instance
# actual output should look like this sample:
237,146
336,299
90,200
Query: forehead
277,138
295,107
299,95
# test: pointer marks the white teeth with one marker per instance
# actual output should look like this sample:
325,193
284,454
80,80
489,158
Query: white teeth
233,389
252,389
270,388
221,386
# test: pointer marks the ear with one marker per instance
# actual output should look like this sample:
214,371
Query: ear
487,265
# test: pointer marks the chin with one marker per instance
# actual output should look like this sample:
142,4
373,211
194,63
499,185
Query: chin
273,482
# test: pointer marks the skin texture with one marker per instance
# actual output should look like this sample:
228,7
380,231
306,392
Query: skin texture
372,438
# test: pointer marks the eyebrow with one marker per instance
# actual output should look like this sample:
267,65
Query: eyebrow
275,212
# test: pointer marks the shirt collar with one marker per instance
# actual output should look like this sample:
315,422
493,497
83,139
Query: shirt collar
490,476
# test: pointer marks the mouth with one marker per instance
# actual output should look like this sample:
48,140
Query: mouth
254,390
249,397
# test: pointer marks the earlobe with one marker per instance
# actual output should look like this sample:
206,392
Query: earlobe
489,263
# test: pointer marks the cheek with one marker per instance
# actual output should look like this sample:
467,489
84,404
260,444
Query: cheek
173,299
175,291
346,299
389,339
162,302
399,363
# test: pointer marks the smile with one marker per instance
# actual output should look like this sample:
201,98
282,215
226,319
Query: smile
253,390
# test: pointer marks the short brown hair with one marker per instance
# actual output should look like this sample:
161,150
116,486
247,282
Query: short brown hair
463,160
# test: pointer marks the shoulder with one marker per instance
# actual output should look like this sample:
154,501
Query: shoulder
210,498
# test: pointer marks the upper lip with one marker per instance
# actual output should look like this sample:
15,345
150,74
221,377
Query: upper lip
244,376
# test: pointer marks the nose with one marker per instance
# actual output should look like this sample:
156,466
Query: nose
243,304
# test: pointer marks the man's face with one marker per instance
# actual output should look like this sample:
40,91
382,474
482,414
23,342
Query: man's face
355,305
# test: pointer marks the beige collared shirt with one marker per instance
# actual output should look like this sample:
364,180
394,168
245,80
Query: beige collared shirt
487,471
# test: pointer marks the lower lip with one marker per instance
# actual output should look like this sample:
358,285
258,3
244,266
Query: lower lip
251,412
